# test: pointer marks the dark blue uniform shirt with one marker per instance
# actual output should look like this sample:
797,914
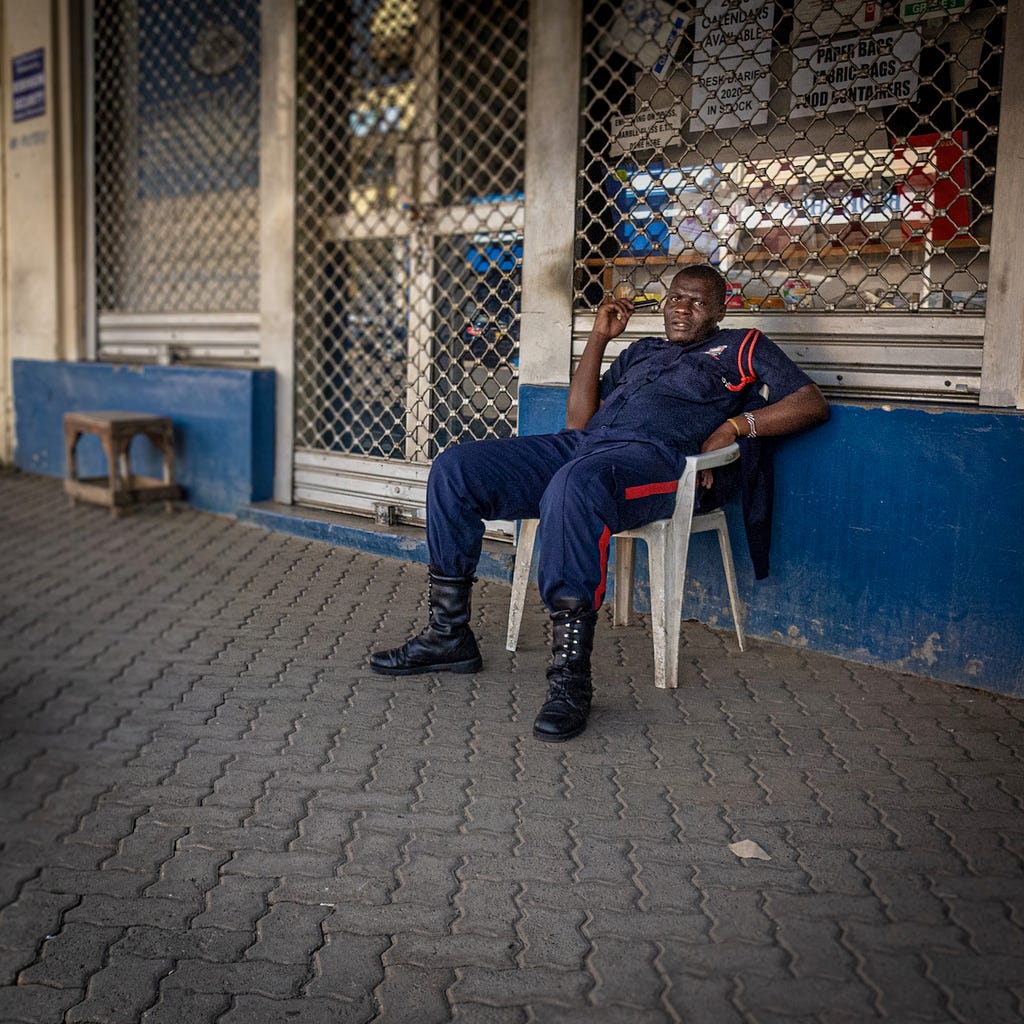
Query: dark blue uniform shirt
676,396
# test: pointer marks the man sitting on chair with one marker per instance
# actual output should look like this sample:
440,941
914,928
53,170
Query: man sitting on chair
614,467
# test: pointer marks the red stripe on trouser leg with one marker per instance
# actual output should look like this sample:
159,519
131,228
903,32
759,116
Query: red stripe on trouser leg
646,490
602,547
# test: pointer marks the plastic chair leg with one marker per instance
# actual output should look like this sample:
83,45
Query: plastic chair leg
675,559
730,578
520,580
625,565
662,573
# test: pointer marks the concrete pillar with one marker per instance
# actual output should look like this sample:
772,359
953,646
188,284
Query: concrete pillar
552,130
41,209
277,225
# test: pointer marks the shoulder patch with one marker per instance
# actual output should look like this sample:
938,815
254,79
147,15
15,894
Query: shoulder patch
716,351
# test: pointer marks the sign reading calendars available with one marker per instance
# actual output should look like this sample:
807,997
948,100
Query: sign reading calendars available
732,63
911,10
875,70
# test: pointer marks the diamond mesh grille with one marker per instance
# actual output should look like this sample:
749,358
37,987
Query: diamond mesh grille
410,141
827,156
177,155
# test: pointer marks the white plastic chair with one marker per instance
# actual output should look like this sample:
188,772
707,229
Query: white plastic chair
668,542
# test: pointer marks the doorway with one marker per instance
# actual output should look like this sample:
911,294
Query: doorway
409,205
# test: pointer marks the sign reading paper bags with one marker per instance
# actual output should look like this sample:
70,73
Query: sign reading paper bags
874,70
732,63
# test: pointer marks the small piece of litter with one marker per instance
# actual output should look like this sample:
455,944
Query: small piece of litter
747,849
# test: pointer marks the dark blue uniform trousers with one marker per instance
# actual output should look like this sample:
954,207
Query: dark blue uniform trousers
583,488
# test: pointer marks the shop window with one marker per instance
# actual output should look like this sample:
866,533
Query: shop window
175,164
828,157
409,192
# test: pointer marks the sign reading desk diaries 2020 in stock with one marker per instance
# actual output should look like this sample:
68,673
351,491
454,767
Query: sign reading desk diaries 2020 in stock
732,61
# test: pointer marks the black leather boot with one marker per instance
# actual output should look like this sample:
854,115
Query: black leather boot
447,644
564,712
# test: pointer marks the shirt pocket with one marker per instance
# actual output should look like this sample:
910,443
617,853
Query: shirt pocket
702,383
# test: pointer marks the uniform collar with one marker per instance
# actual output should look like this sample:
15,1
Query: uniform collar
662,342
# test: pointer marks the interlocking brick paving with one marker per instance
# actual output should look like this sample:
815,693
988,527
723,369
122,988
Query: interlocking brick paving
212,812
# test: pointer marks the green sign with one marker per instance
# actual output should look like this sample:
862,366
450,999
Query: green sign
929,8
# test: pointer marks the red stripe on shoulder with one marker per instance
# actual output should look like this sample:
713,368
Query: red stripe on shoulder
747,375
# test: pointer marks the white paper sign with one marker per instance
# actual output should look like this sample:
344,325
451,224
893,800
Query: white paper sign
871,70
646,129
647,32
732,63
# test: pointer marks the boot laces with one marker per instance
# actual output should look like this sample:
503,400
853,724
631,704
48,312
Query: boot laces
571,640
560,690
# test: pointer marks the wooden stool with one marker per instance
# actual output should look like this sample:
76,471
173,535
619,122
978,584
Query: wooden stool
120,488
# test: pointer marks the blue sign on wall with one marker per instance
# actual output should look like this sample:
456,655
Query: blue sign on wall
28,85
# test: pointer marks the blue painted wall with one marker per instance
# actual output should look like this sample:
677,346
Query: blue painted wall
223,421
897,540
897,535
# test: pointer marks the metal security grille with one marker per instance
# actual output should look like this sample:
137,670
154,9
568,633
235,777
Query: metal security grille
176,103
410,139
834,158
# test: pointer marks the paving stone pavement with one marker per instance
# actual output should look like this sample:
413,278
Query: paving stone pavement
212,812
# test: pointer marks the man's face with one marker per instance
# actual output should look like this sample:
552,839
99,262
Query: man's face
692,310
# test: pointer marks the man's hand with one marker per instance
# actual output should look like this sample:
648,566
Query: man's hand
612,317
805,407
721,437
609,322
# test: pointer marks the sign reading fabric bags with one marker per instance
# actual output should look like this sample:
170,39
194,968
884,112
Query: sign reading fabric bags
732,63
875,70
